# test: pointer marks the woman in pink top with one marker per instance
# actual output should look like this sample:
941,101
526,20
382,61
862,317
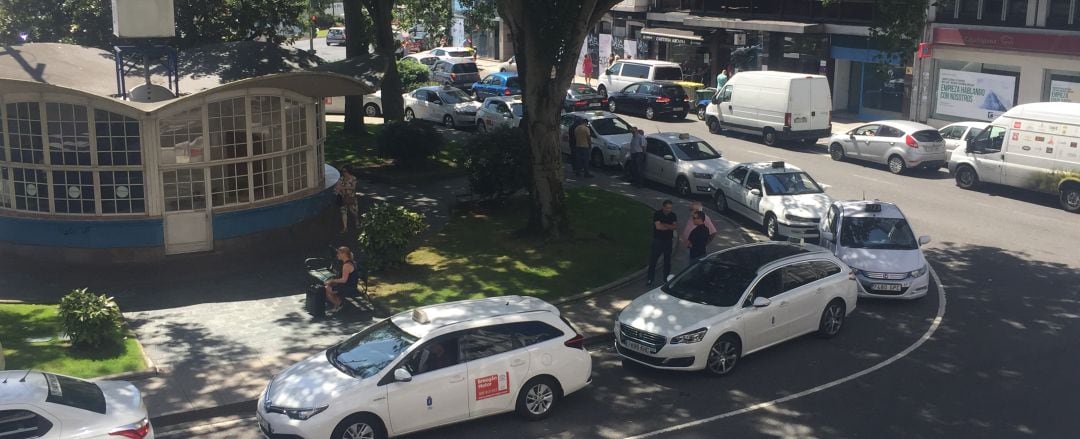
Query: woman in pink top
586,69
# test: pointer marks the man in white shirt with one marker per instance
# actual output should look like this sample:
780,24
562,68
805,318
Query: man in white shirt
637,156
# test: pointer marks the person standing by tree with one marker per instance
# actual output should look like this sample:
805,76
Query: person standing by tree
586,69
637,156
663,234
346,198
581,147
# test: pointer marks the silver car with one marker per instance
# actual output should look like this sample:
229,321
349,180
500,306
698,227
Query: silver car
449,105
684,162
610,136
900,144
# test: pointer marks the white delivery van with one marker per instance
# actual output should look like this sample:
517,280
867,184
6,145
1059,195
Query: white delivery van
1032,146
776,105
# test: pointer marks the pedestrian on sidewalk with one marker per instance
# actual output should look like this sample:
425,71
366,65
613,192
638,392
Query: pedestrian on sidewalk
696,207
721,79
346,285
664,225
582,145
637,156
346,198
586,69
698,240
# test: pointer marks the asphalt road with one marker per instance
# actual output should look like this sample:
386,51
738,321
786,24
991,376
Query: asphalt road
329,53
1002,363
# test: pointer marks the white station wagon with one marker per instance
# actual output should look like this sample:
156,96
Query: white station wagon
433,366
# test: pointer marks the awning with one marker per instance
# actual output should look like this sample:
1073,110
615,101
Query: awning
675,36
709,22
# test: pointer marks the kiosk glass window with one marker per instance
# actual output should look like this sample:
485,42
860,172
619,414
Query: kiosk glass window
228,129
118,139
73,192
31,189
24,132
122,192
69,134
266,131
182,137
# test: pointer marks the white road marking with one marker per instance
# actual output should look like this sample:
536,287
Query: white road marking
926,336
874,179
763,154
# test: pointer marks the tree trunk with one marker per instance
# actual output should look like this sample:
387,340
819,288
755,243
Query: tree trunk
355,45
382,14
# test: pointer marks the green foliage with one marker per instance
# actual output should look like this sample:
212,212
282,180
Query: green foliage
385,233
479,14
409,144
413,74
497,162
435,16
91,320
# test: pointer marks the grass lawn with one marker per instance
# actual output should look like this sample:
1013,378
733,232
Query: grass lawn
29,335
360,151
478,255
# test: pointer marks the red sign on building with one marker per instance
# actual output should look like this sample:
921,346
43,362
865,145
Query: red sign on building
1017,41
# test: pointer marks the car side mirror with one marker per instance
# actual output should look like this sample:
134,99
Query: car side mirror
401,375
851,136
755,192
669,158
761,302
923,240
827,236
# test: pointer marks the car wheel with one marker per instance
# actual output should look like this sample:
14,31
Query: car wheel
359,427
682,185
409,115
611,105
602,90
769,137
701,113
448,121
371,110
650,113
714,126
836,151
966,178
896,165
596,159
720,201
538,398
723,356
1070,197
832,319
502,70
772,227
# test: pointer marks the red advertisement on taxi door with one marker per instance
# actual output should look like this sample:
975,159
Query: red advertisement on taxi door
492,386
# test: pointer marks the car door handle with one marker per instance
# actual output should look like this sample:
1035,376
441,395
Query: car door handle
783,304
729,108
457,379
517,362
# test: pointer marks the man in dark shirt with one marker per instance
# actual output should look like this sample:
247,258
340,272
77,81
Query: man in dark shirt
699,237
663,234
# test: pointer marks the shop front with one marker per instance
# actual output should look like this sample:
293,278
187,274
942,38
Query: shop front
867,83
684,47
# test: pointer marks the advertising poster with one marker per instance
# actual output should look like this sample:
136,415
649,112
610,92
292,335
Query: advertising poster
605,52
972,95
1064,91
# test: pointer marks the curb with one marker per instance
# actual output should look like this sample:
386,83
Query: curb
603,289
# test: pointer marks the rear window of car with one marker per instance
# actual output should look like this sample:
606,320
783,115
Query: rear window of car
334,32
74,393
667,74
928,136
465,68
460,53
636,71
513,82
672,91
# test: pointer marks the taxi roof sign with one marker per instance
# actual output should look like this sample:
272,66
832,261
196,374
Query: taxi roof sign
684,136
421,317
873,208
778,165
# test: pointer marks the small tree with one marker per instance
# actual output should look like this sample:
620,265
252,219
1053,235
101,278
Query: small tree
497,162
413,75
385,233
91,320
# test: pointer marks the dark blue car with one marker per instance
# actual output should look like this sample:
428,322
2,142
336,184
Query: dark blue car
497,84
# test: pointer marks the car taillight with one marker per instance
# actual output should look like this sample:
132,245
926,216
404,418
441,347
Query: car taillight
603,101
138,430
580,103
787,120
662,99
578,342
506,92
910,141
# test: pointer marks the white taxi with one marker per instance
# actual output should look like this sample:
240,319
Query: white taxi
687,163
45,405
875,239
500,111
735,302
786,201
430,367
610,136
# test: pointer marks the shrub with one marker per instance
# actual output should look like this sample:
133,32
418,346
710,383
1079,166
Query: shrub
91,320
413,75
385,233
409,144
497,162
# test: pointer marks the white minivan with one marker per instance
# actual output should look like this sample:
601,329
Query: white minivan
776,105
623,73
1032,146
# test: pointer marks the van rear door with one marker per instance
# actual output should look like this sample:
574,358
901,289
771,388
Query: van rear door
809,102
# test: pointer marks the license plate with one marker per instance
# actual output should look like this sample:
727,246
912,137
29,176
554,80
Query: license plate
638,347
594,105
886,287
677,109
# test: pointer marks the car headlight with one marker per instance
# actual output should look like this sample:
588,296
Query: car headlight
690,337
919,272
800,219
304,414
613,146
703,176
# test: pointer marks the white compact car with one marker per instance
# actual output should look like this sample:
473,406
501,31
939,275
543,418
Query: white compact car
958,134
735,302
49,406
434,366
687,163
785,200
900,144
509,65
875,239
500,111
372,104
610,136
449,105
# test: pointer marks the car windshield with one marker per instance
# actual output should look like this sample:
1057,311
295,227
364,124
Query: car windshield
371,350
517,109
581,89
459,53
711,281
609,126
695,151
455,97
791,183
667,74
877,233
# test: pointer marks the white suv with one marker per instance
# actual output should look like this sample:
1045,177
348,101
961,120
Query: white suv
623,73
434,366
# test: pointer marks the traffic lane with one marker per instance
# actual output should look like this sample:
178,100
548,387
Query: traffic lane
991,216
328,53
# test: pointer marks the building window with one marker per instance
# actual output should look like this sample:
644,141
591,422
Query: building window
1061,86
973,91
1016,12
118,140
73,192
968,11
185,189
228,129
122,192
266,178
31,189
229,184
5,188
69,134
24,132
320,118
182,137
265,125
295,124
296,171
1063,14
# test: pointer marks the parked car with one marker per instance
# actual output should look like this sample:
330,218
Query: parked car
433,366
335,35
1031,146
451,106
651,99
687,163
736,302
778,106
875,240
457,72
500,111
958,134
509,65
37,404
497,84
581,97
372,104
610,136
446,53
783,199
623,73
425,58
900,144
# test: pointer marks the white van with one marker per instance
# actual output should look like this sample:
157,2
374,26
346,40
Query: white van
1032,146
777,105
626,72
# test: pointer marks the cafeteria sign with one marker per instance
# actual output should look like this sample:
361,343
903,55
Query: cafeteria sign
973,95
672,39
